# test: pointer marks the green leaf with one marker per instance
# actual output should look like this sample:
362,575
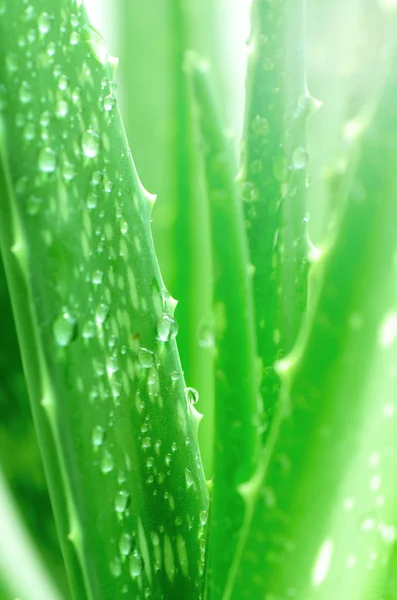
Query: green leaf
95,324
20,456
236,385
326,517
22,572
159,126
273,180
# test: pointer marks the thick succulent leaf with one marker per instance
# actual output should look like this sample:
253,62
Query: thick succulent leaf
273,180
19,452
160,115
95,324
237,409
18,550
325,520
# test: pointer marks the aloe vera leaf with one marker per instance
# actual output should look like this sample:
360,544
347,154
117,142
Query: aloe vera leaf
22,572
273,180
94,321
326,520
19,452
180,224
236,385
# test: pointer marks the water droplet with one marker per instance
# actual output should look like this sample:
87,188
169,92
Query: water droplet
63,83
62,108
44,23
33,205
124,227
90,143
92,201
146,358
64,328
25,92
98,435
29,132
88,330
125,544
135,564
167,328
203,517
175,376
260,126
68,171
299,158
192,395
97,277
101,314
111,366
116,567
109,102
121,501
146,442
74,38
249,191
47,160
189,478
107,464
51,48
206,336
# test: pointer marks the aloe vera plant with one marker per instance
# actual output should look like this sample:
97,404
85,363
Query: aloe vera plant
292,349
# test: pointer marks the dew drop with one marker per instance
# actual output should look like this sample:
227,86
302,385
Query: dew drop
121,501
64,328
62,108
206,336
68,171
203,517
47,160
98,435
109,102
25,92
74,38
146,358
92,201
167,328
175,376
107,464
88,330
29,132
63,83
97,277
135,564
260,126
101,314
249,192
90,143
299,158
189,478
125,544
44,23
33,205
116,567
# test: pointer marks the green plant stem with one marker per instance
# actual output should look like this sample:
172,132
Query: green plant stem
273,180
236,415
326,518
94,321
